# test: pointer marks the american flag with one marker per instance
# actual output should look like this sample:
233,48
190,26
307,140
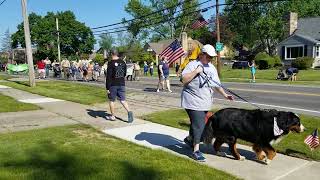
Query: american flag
173,52
312,140
199,23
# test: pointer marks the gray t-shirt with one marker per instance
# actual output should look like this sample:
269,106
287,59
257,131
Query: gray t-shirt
198,94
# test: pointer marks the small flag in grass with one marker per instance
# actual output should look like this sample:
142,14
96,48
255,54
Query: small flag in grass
312,140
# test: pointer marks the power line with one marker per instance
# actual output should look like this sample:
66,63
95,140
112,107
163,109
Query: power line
118,28
163,21
210,7
144,16
3,2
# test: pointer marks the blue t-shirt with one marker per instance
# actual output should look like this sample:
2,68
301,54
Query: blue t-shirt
165,68
198,94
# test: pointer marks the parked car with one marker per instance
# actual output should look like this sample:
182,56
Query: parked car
240,65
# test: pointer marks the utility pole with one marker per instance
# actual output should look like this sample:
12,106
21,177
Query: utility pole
32,81
218,37
58,40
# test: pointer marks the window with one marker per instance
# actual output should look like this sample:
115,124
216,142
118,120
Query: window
317,51
294,52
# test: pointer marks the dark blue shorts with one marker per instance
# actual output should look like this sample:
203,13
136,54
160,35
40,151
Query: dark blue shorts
117,91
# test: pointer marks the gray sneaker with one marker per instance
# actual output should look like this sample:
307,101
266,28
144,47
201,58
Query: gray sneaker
130,117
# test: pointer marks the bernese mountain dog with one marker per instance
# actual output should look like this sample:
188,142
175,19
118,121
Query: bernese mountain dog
260,127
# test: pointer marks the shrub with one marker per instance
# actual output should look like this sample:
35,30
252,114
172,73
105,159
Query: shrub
303,63
264,61
277,61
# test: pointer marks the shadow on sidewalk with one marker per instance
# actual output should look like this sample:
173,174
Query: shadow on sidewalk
101,114
178,146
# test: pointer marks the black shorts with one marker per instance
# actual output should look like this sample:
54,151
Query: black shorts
117,91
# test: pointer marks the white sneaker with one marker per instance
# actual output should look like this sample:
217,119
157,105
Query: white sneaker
158,90
170,91
111,118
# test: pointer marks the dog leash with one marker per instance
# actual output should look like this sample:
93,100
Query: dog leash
208,79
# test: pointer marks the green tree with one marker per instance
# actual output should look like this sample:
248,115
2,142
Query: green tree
75,37
162,25
6,42
99,59
106,41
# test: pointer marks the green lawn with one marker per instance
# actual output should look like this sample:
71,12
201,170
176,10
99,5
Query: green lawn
306,77
80,152
79,93
292,144
8,104
4,77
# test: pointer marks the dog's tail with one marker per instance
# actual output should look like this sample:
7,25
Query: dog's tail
207,135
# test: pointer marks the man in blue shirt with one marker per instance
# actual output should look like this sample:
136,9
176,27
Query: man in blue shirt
163,73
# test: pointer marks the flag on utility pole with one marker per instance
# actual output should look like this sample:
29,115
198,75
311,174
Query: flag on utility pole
200,22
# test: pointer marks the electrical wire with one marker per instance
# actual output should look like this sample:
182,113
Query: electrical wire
153,13
118,29
3,2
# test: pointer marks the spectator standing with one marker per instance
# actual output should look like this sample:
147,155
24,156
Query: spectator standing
41,69
145,69
104,68
197,96
252,66
48,66
136,68
65,67
163,73
115,85
130,69
177,69
96,71
85,71
74,71
151,69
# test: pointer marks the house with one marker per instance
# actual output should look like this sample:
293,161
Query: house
303,40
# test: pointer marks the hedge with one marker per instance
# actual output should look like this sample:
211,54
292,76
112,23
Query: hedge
303,63
265,61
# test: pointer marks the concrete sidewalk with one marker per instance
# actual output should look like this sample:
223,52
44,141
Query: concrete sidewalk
151,135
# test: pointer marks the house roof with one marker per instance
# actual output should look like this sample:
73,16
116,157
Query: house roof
309,27
159,46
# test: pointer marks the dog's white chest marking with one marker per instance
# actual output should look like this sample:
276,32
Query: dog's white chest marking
276,141
276,130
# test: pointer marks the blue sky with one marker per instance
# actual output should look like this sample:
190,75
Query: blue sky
92,12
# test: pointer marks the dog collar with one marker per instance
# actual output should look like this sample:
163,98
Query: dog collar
276,130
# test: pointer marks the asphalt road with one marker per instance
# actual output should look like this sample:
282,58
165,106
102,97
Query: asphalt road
301,99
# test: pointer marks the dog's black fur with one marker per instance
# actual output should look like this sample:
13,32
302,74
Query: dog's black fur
255,126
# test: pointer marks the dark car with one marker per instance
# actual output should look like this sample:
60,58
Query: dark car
240,65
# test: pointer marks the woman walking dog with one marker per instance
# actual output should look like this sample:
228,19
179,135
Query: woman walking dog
197,95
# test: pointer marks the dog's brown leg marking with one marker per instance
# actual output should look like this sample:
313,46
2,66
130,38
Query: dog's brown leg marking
270,152
258,150
234,151
217,144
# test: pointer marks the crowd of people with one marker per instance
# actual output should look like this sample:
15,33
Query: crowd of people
70,70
